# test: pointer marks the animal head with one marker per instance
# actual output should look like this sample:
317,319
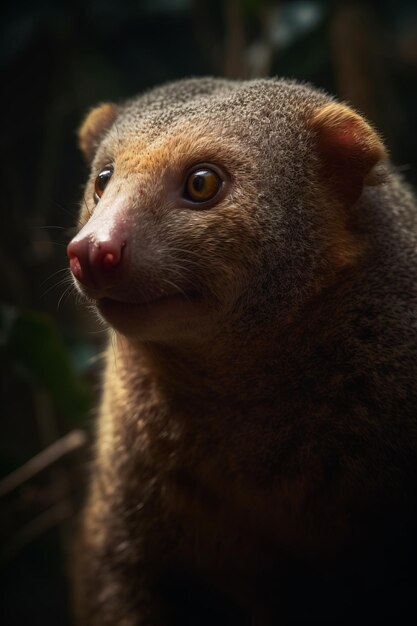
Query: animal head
211,201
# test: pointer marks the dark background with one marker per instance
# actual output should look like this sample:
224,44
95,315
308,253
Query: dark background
59,59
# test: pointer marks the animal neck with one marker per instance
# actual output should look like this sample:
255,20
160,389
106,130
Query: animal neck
244,366
230,369
199,373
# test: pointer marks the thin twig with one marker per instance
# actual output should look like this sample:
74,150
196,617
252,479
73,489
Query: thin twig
70,443
57,514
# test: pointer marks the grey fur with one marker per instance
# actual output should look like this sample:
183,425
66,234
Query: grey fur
313,431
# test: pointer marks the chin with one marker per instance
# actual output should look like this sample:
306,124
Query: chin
169,319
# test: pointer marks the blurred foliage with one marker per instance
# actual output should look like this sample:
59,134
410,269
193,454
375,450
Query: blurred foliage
32,347
58,59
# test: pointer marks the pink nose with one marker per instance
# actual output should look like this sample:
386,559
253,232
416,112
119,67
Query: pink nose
96,264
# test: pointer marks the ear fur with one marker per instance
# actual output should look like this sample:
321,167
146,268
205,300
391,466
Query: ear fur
349,149
98,121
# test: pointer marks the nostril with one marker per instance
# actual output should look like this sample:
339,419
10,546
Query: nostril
73,253
109,261
75,265
77,252
112,258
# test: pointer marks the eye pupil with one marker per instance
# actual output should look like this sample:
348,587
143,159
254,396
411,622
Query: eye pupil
101,182
198,182
102,179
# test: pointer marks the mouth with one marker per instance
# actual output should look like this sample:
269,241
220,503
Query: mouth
121,314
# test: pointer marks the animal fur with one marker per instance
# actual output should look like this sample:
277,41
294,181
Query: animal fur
255,458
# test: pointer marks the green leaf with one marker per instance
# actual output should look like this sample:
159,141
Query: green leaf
33,345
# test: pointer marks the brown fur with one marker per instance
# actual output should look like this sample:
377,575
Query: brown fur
98,121
255,456
350,149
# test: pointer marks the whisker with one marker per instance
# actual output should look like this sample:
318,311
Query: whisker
60,283
63,269
65,294
185,251
112,343
169,282
48,227
53,243
181,269
181,273
86,205
138,288
101,331
72,214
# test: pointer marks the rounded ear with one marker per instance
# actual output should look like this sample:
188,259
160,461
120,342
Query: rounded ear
349,150
98,121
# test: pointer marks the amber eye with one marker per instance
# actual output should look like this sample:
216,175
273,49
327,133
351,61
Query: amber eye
101,182
202,185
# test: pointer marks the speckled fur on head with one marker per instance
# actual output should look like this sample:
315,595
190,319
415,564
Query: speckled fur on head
258,131
261,449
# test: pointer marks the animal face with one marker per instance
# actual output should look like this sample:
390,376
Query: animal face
199,208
